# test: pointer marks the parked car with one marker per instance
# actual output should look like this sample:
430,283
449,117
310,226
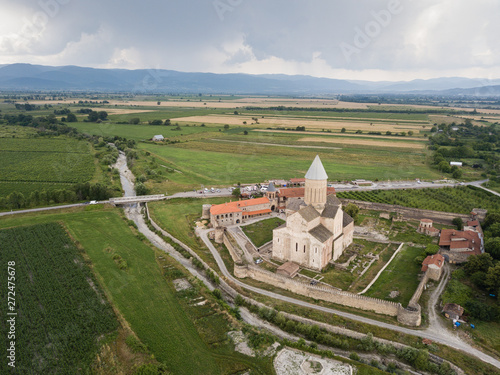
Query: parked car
259,260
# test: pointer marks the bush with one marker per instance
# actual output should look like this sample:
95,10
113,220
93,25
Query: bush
354,356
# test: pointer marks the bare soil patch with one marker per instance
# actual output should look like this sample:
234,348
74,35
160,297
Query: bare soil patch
294,122
365,142
294,362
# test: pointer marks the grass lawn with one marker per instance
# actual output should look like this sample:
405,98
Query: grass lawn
178,216
141,293
261,232
400,275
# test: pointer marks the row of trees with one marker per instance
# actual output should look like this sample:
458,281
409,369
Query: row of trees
77,193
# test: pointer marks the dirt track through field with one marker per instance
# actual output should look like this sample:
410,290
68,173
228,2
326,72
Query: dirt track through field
275,144
340,134
365,142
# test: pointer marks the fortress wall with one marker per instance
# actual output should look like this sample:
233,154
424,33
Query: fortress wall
420,289
409,213
234,253
319,292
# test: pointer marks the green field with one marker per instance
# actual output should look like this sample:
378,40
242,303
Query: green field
61,315
145,298
178,216
393,279
261,232
217,163
138,132
461,199
42,164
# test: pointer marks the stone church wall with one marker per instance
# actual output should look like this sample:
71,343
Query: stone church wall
318,292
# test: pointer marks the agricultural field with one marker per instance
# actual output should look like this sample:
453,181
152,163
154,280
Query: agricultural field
461,199
188,340
220,163
61,314
43,163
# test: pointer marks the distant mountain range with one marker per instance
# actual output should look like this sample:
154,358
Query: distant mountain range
27,77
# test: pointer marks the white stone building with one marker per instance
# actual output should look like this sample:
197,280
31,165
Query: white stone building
317,230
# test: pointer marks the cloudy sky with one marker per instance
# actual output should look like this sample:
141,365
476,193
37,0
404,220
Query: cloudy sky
361,39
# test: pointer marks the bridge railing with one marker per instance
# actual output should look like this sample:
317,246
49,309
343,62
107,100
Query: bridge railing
141,198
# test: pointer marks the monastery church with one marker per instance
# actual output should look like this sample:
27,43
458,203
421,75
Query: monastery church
317,230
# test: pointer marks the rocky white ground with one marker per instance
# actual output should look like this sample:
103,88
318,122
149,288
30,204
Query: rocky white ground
294,362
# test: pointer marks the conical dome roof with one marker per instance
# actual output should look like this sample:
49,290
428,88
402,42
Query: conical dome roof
316,170
271,188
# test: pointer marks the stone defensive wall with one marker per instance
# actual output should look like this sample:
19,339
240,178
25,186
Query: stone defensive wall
409,213
232,251
318,292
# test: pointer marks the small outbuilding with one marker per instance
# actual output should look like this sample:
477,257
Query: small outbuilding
433,264
456,163
289,269
453,311
158,138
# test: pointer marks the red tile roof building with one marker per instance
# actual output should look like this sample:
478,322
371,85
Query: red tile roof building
433,264
459,245
426,227
236,212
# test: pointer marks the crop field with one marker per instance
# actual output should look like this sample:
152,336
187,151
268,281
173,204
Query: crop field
220,163
460,199
158,316
366,142
43,164
61,314
139,132
314,124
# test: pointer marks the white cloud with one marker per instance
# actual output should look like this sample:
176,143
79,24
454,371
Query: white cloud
427,38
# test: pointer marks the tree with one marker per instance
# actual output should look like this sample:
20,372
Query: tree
245,132
141,189
478,263
93,116
490,219
134,120
167,122
493,279
458,223
342,130
443,166
71,117
492,246
493,230
457,173
226,126
431,249
388,132
352,210
236,192
102,115
410,133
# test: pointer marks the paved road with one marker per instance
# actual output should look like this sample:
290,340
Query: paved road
445,339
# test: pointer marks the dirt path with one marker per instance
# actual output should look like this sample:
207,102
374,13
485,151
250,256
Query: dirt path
435,322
